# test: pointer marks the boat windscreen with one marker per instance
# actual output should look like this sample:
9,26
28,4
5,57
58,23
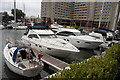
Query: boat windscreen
47,35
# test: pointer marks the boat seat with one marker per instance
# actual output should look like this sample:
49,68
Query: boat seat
22,66
34,63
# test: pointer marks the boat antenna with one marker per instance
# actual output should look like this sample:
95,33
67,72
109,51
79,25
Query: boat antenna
24,6
15,12
101,11
14,23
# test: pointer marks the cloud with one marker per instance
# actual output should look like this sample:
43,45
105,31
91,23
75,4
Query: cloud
21,0
33,7
80,0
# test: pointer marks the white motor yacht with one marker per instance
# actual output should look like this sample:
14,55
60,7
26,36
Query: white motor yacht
81,41
22,60
20,27
55,27
108,35
45,41
1,26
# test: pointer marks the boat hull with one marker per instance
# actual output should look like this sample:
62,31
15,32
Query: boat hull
81,43
52,51
13,68
30,71
86,44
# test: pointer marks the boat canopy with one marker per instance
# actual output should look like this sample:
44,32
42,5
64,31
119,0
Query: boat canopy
106,30
16,51
37,27
103,31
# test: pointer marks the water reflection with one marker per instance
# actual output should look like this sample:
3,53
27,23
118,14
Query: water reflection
78,57
84,54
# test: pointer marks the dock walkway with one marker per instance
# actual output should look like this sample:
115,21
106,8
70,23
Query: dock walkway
54,62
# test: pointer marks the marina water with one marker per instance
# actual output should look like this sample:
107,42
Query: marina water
6,74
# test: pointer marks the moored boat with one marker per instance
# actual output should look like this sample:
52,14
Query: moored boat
1,26
77,39
22,60
45,41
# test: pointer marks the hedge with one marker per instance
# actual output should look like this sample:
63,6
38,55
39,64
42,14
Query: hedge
96,68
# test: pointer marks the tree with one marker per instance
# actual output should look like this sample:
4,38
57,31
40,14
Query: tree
6,18
19,13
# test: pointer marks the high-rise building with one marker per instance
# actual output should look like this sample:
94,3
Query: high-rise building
93,14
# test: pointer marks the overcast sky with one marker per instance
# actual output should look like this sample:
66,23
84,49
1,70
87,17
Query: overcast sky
32,7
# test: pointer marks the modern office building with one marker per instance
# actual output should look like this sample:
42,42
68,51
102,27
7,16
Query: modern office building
89,14
59,11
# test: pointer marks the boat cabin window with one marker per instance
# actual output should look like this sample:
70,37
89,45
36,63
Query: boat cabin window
32,36
47,35
10,54
95,36
65,33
